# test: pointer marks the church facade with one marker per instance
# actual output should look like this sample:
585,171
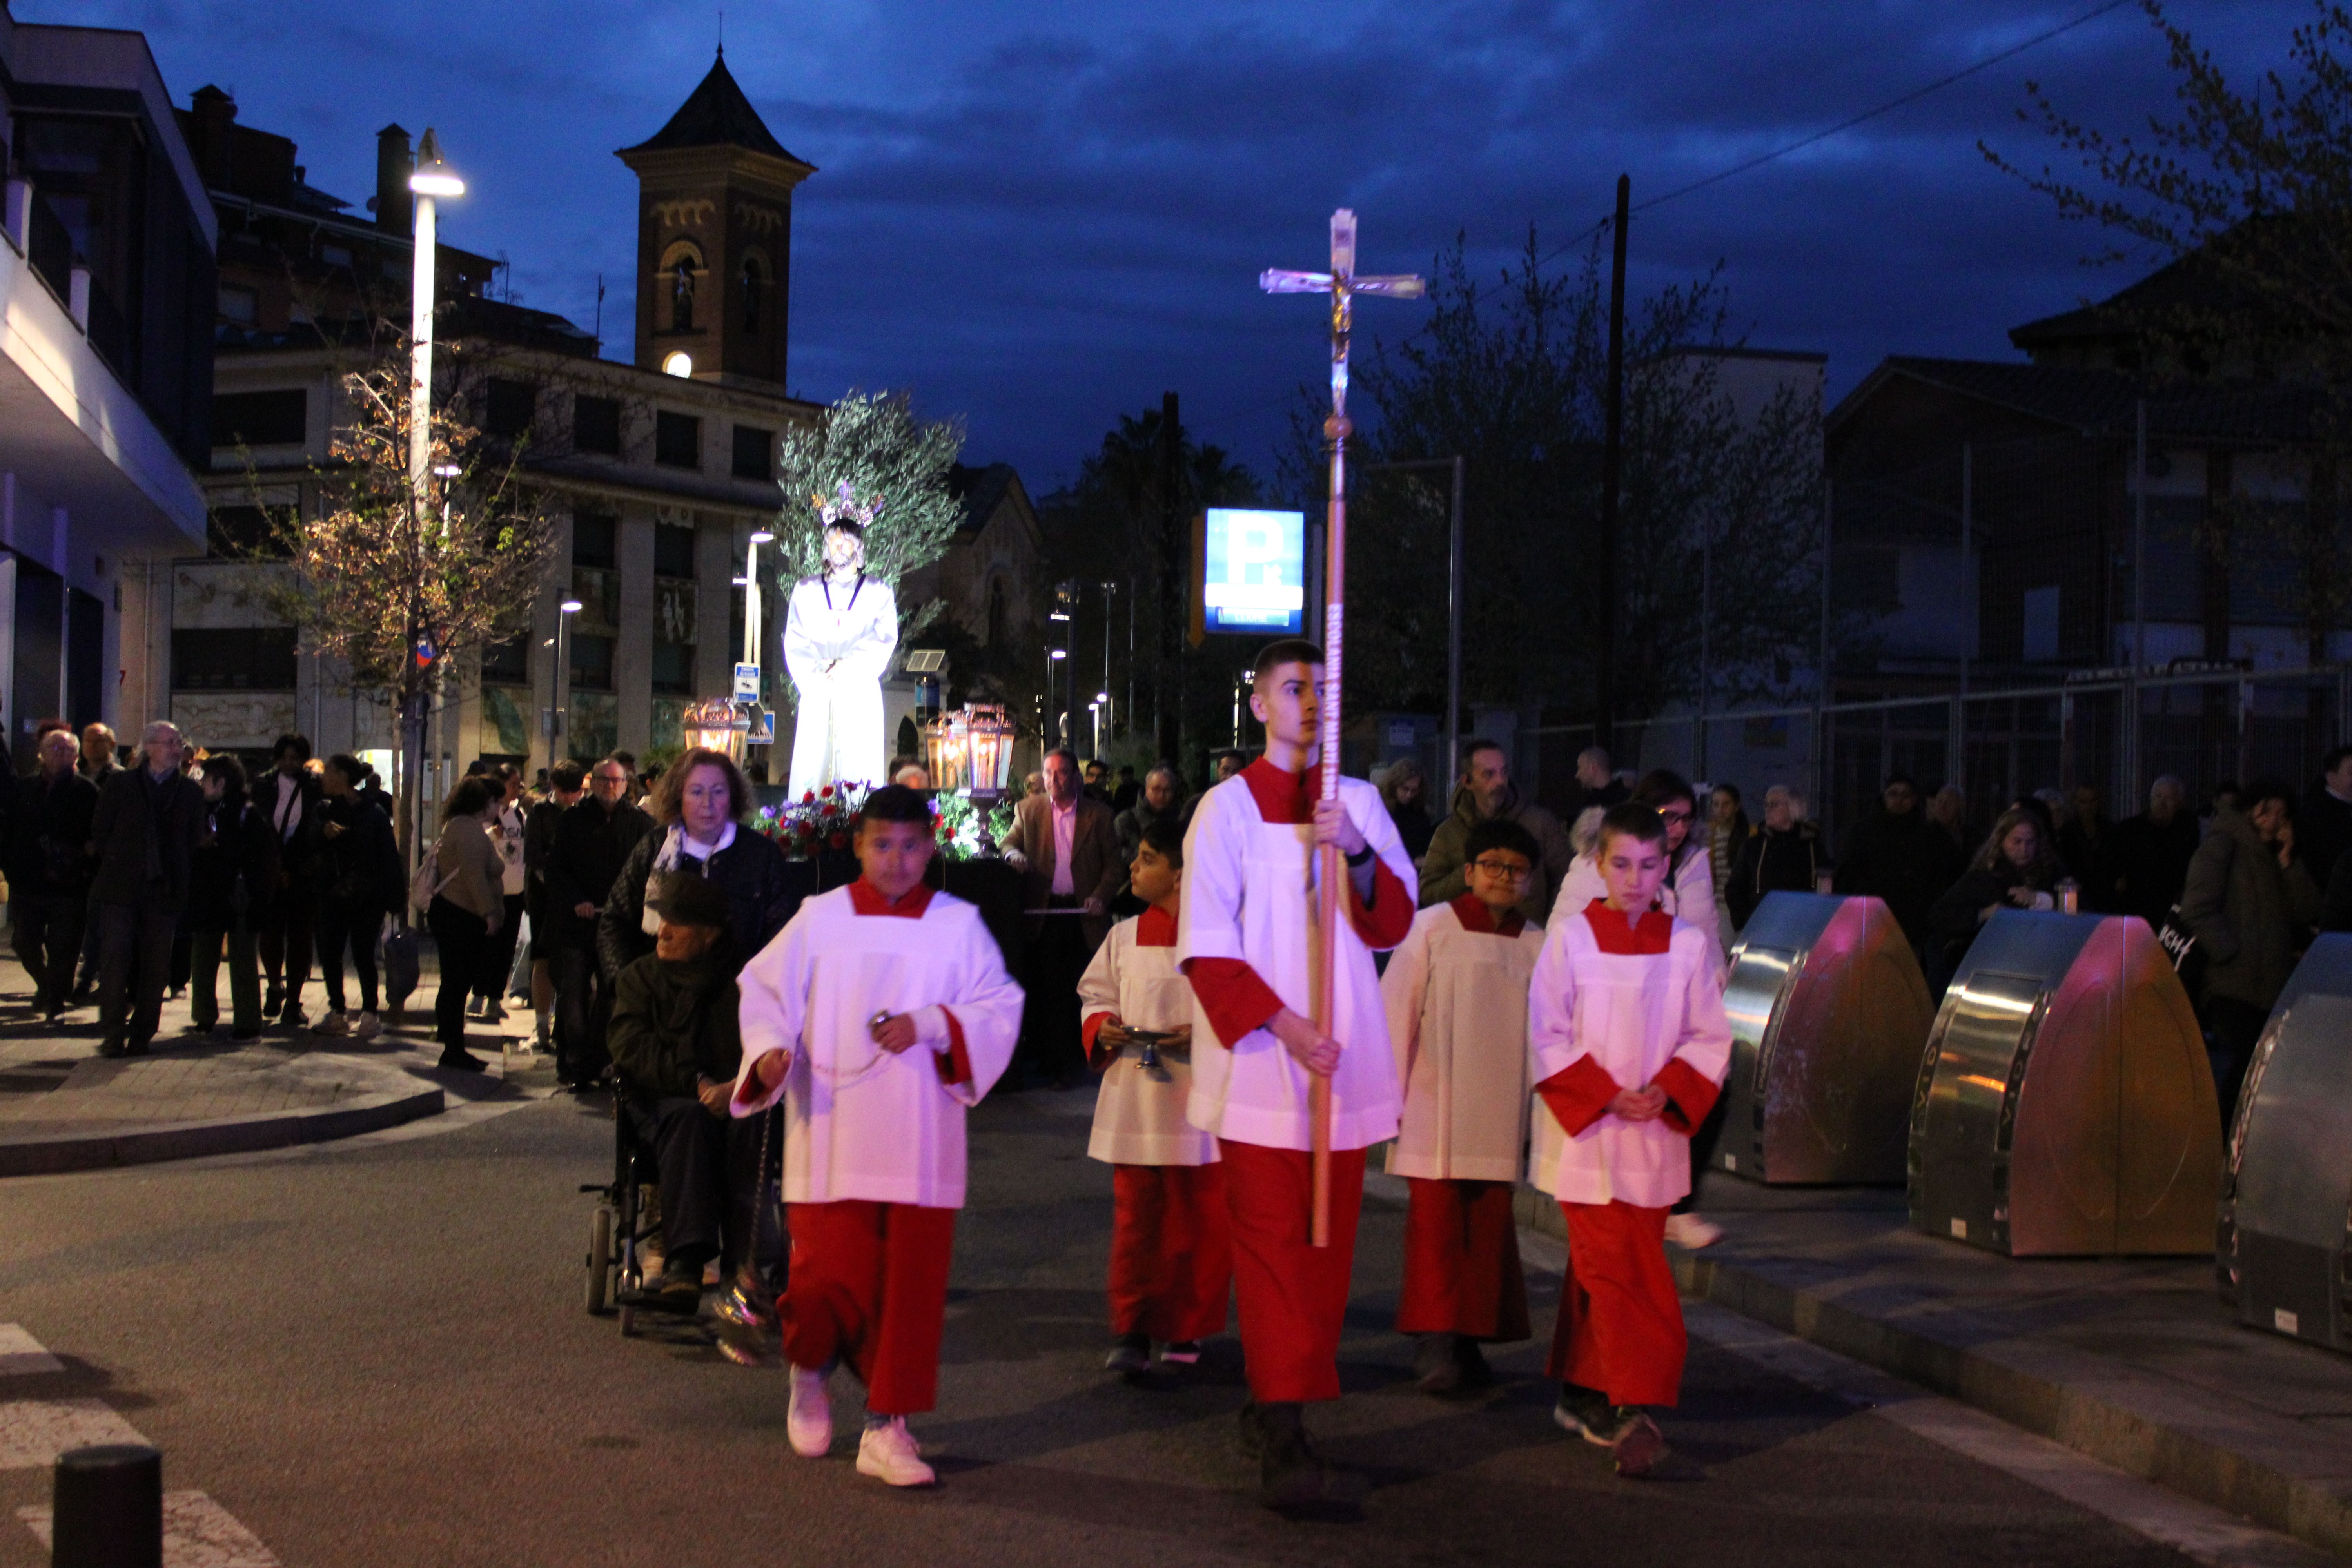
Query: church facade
658,470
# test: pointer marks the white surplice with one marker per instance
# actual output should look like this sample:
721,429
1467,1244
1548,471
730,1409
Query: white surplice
837,718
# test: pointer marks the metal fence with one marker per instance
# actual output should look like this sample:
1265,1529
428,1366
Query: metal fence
2205,728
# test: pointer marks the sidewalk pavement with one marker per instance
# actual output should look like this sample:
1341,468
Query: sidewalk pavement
65,1108
2135,1362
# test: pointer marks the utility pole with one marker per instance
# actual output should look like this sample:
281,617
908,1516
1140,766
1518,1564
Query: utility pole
1613,459
1173,582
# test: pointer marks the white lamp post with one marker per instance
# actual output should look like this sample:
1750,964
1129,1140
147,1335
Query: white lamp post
561,727
432,179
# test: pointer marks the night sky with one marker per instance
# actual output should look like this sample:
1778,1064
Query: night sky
1041,214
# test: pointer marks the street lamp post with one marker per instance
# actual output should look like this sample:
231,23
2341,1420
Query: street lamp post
560,718
431,180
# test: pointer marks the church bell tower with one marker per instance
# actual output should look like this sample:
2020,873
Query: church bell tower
714,239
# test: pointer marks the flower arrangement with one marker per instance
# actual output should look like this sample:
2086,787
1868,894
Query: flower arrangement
828,818
821,819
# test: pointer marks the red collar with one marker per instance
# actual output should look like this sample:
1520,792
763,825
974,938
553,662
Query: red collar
1155,927
1281,797
1478,917
865,899
1652,935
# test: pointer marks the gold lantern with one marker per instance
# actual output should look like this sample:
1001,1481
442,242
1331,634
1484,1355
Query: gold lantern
716,724
970,750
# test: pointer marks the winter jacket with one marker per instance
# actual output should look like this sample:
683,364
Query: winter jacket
234,870
2149,862
673,1025
1903,859
1957,917
2250,918
1773,862
591,847
1444,871
358,868
751,872
145,834
49,836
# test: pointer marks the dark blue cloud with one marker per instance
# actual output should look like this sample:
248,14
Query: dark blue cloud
1041,214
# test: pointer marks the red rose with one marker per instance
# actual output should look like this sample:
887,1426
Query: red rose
840,839
826,792
807,797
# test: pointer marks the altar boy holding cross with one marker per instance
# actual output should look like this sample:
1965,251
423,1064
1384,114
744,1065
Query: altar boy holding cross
879,1015
1247,940
1629,1042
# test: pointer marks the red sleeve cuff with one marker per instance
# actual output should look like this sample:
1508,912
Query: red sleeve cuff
1578,1094
955,1062
1233,995
1689,1097
1089,1031
1388,920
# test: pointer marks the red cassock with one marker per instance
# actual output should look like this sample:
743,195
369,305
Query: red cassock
1249,942
1615,1005
1171,1253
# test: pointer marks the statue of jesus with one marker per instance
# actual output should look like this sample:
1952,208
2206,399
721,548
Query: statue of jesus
839,636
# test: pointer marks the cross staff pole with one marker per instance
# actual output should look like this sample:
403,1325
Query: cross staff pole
1342,284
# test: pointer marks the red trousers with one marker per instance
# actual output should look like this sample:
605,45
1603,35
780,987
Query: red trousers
870,1285
1293,1295
1171,1251
1621,1322
1461,1269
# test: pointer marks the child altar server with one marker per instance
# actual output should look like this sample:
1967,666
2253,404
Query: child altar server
1627,1031
1171,1252
1247,939
1456,997
879,1015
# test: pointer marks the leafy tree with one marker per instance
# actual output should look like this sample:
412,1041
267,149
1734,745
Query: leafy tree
396,586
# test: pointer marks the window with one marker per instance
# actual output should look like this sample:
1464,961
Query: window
2041,637
677,440
261,418
508,406
596,424
592,663
596,538
755,283
507,663
673,669
247,531
335,254
241,306
755,453
673,551
233,659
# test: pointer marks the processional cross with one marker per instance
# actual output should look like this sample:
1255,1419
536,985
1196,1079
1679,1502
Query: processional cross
1342,284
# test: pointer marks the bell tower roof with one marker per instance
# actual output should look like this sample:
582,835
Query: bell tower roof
715,114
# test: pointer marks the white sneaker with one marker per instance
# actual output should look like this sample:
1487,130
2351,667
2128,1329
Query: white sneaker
808,1420
888,1453
1693,1231
369,1028
332,1024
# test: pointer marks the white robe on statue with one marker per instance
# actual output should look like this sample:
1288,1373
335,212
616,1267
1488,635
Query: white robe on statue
838,723
860,1122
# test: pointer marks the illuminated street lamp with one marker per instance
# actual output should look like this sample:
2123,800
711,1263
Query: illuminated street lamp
559,724
431,180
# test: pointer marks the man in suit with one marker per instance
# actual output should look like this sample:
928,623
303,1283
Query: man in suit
288,797
593,840
1063,844
145,834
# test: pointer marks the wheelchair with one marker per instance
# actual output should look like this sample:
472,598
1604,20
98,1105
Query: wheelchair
623,1221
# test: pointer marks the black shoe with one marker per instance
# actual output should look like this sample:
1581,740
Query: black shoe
135,1048
292,1015
457,1058
678,1291
1251,1430
1289,1474
1476,1373
271,1002
1129,1354
113,1048
1435,1365
245,1034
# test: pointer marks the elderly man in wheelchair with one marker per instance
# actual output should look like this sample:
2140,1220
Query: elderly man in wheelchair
676,1048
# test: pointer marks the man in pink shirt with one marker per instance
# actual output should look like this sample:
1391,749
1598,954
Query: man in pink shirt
1064,844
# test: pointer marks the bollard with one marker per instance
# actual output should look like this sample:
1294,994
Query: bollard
109,1507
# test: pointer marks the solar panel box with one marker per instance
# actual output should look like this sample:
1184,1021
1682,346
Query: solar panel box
2064,1105
1829,1014
2281,1245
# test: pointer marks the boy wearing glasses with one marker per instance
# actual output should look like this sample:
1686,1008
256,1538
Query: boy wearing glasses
1172,1247
879,1016
1629,1043
1455,992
